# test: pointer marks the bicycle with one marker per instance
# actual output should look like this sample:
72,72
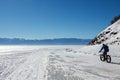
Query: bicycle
107,58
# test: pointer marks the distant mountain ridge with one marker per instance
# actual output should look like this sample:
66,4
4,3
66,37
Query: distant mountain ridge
58,41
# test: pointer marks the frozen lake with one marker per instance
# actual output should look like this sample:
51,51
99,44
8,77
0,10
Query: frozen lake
73,62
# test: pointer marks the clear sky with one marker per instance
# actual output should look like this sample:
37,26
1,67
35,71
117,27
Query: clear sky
44,19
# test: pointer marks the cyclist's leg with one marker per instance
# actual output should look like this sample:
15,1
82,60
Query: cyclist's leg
105,55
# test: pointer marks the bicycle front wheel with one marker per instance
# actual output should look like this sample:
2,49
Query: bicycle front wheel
102,57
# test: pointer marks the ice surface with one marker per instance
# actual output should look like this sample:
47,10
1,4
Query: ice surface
57,63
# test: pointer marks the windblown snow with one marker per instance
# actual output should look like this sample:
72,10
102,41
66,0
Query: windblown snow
57,63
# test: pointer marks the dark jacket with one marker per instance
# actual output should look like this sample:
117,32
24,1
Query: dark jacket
105,48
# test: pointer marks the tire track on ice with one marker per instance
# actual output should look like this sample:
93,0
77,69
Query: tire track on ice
25,66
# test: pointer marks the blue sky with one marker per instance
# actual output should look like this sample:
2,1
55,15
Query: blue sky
44,19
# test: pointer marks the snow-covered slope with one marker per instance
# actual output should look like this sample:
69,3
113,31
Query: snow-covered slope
110,35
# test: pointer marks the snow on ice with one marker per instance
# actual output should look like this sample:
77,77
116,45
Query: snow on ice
57,63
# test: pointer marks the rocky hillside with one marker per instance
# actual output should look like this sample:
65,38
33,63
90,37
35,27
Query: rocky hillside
110,35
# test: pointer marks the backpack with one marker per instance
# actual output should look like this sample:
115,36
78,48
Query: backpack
106,48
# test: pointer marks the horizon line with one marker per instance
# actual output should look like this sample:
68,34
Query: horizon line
41,39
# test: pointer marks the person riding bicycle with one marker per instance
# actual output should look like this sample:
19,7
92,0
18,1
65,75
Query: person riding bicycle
106,49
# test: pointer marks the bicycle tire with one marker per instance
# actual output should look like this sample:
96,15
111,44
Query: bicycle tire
102,57
108,59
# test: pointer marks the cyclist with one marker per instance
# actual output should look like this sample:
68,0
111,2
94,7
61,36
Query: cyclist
105,49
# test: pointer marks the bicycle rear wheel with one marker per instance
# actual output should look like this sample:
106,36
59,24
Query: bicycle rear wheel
108,59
